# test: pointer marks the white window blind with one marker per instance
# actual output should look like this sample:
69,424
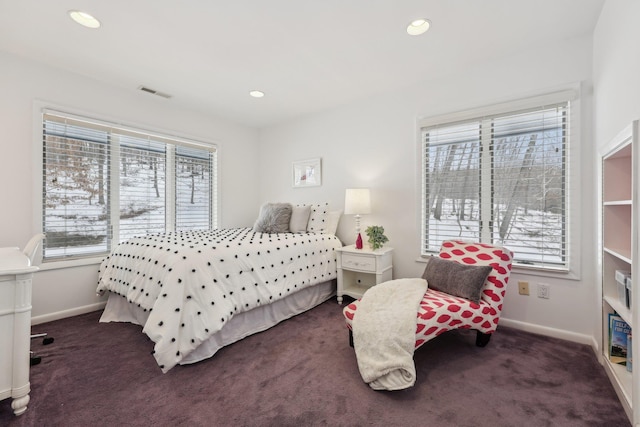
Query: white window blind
76,198
500,179
452,163
142,180
194,180
104,182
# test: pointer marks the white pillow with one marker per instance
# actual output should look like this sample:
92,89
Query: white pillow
299,219
334,219
319,218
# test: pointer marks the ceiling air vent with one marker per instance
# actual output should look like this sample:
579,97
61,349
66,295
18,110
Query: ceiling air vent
154,92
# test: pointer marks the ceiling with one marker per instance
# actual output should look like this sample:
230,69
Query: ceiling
306,55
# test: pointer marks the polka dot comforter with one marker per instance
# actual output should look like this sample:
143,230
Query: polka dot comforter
192,283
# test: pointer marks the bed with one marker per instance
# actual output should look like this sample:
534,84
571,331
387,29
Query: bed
196,291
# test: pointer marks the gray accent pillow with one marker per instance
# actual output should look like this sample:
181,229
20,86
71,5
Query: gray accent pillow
273,218
457,279
299,219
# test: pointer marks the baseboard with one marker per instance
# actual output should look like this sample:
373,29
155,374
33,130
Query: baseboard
67,313
547,331
515,324
597,350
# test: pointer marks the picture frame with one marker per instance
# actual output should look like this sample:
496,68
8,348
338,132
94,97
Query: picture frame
307,173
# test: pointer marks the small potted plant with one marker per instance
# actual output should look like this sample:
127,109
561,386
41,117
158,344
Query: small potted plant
376,236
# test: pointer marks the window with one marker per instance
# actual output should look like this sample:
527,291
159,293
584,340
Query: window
499,178
105,183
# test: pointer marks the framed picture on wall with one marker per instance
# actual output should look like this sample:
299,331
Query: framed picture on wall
307,173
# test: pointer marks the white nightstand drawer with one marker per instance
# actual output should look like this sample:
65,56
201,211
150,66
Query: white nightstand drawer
356,262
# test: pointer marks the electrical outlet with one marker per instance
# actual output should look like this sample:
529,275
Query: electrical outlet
543,291
523,288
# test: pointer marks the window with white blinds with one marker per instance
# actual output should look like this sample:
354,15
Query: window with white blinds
499,178
105,183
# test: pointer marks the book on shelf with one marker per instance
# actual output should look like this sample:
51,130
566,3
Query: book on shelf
619,332
629,353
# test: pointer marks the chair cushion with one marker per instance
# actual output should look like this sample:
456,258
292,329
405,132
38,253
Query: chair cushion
440,312
457,279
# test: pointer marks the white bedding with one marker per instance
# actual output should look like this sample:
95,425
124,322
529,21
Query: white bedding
191,284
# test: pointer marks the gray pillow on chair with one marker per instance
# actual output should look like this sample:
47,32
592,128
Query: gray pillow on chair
457,279
273,218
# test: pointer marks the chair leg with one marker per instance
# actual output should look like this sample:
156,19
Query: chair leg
482,339
350,338
46,340
33,359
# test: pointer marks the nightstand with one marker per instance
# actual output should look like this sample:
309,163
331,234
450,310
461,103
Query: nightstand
360,269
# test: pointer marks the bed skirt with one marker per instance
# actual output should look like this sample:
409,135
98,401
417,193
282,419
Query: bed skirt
259,319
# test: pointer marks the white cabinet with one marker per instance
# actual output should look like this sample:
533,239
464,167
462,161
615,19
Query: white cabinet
619,254
360,269
15,326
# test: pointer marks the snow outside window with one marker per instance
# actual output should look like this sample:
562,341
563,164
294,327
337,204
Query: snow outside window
105,183
499,179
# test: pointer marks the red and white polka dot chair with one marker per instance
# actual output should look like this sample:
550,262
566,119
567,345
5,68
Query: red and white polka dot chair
440,312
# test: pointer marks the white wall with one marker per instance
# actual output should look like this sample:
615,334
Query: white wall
373,143
67,291
616,73
616,69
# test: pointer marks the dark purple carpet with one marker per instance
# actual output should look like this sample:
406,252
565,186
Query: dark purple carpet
303,373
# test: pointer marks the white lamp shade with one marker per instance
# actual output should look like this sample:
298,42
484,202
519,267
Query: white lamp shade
357,201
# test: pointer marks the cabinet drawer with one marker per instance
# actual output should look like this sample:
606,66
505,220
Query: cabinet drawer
356,262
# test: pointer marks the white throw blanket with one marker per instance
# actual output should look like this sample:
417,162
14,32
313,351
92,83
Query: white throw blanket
384,332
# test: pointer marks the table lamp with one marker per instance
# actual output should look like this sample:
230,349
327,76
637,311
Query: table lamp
357,201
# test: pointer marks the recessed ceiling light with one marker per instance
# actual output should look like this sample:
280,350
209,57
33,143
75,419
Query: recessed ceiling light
256,93
84,19
419,26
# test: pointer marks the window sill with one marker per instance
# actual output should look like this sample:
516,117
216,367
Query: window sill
70,263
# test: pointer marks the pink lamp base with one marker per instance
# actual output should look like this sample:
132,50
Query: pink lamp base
359,242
